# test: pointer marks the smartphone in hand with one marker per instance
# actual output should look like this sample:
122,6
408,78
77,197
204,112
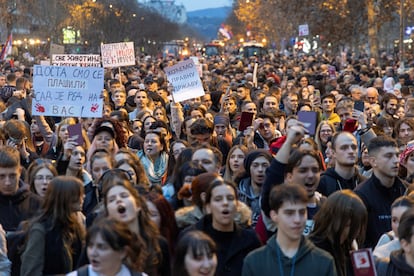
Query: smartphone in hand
359,105
75,131
246,120
309,120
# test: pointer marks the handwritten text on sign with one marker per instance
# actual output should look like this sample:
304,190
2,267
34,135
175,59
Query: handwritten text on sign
118,54
77,60
185,79
67,91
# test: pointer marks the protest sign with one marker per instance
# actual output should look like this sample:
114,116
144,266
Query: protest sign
76,60
183,76
198,65
56,49
67,91
303,30
118,54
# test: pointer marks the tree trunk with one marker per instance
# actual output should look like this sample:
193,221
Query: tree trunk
372,30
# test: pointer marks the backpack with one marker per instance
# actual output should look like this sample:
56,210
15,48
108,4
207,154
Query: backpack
15,247
16,241
83,271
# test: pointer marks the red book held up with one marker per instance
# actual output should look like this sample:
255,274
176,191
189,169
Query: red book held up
363,262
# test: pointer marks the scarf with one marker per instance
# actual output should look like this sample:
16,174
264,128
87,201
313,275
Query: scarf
155,170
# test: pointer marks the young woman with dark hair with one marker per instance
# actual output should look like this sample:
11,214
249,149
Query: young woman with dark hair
196,255
123,203
55,237
154,157
135,170
113,249
233,242
340,222
162,214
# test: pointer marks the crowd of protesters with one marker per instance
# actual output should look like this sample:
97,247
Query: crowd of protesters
159,187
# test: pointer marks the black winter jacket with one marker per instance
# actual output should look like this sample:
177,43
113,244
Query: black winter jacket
230,252
18,207
394,266
378,199
331,182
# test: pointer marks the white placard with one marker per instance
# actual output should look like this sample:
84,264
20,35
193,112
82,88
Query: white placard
118,54
303,30
198,65
76,60
68,91
184,77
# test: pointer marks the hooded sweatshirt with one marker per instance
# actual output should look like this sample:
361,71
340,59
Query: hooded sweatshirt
331,182
270,260
395,265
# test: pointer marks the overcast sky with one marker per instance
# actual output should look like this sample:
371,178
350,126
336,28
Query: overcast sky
192,5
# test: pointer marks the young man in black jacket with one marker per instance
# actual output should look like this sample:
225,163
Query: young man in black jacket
17,203
382,188
344,175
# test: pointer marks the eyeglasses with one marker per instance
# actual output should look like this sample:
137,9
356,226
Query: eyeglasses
44,177
326,131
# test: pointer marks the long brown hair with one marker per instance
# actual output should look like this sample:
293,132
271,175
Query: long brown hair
136,165
228,173
168,225
148,231
57,208
341,209
119,237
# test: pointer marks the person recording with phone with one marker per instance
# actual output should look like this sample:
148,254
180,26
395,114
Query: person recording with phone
355,122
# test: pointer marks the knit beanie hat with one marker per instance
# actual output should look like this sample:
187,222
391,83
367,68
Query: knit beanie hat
221,119
253,155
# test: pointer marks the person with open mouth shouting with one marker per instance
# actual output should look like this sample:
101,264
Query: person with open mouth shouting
233,242
123,203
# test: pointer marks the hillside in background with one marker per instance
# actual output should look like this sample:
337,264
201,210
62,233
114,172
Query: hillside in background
207,22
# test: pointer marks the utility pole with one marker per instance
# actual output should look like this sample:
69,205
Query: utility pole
401,52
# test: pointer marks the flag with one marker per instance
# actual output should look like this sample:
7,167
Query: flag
7,48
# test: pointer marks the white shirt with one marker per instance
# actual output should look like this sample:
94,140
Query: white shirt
124,271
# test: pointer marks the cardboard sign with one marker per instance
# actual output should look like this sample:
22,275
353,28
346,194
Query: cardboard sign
77,60
185,79
363,262
118,54
67,91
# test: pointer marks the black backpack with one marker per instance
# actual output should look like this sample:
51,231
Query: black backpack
15,247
